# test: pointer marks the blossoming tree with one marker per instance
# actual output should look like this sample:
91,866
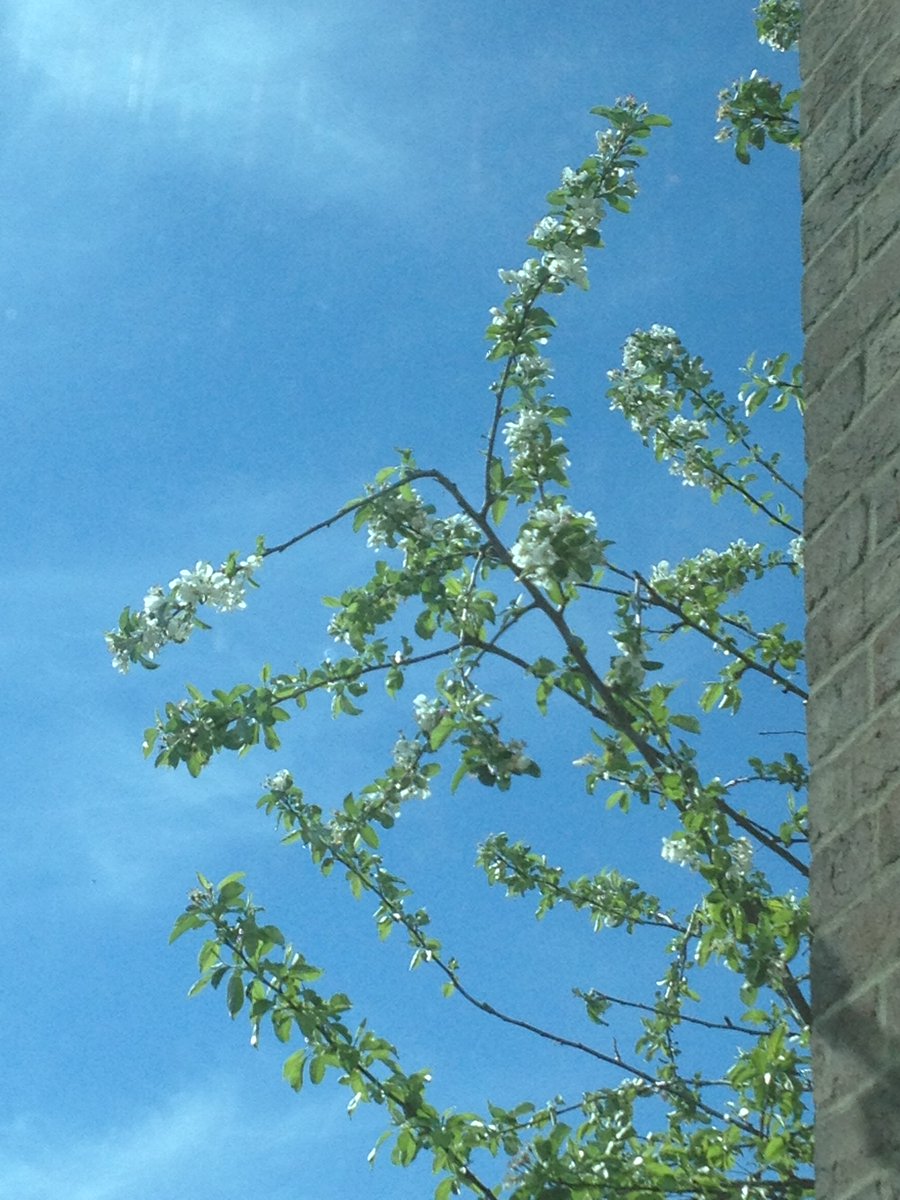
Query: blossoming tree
468,583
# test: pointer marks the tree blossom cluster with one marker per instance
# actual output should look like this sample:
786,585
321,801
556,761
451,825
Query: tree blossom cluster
428,713
280,783
528,372
605,179
535,453
172,616
726,570
401,518
626,670
397,515
778,23
557,545
682,852
407,753
647,391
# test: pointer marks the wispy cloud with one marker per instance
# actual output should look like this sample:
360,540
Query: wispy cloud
231,82
181,1148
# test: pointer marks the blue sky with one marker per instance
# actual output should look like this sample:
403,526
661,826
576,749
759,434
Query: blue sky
248,249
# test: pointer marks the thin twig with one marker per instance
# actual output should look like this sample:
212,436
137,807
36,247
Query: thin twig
728,644
728,1026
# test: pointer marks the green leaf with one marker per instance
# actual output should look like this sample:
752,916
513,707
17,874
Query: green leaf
426,624
441,732
346,705
541,667
187,920
293,1069
369,836
686,722
774,1149
317,1067
459,775
405,1148
712,696
234,997
231,887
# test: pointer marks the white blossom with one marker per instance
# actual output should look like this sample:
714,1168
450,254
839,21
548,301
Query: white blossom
728,569
405,752
549,229
528,372
676,850
395,518
582,214
627,670
741,858
526,278
661,572
520,762
533,554
458,526
172,616
520,434
658,339
534,551
280,782
529,442
427,712
411,782
566,264
572,179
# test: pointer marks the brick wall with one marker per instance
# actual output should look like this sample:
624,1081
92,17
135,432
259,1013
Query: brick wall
850,58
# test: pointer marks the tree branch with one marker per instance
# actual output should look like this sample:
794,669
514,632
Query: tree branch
728,644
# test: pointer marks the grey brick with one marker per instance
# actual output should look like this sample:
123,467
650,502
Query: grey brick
838,548
836,1058
835,808
875,768
886,661
841,705
821,42
828,274
865,934
835,626
831,139
861,1141
828,80
832,199
831,409
880,87
879,215
889,853
854,458
885,498
883,352
874,295
843,863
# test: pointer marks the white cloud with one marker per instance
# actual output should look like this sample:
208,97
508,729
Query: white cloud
231,82
185,1147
